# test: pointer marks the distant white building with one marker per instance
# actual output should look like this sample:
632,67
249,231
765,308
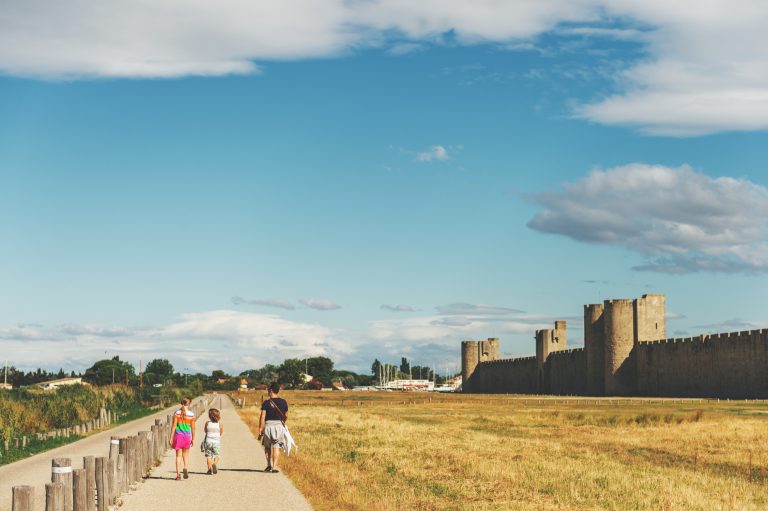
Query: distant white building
52,384
407,385
6,386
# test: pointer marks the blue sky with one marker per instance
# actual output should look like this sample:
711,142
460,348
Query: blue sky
374,179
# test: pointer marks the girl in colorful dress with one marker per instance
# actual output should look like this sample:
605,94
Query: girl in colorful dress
183,431
212,443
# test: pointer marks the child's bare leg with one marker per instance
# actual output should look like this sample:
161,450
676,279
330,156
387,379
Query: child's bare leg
178,462
209,461
185,454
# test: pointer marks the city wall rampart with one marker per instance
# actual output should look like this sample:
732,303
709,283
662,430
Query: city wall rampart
621,357
513,376
731,365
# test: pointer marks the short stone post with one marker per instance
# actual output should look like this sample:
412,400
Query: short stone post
61,472
54,497
23,498
79,490
89,464
102,482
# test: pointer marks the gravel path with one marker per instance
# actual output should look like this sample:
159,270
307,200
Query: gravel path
36,470
240,484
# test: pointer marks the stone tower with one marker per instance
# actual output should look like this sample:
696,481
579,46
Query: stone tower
650,318
618,325
625,323
594,345
548,341
474,352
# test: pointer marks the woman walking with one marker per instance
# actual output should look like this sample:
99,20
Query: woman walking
212,442
183,431
272,431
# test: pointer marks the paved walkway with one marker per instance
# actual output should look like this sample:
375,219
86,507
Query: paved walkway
240,484
36,470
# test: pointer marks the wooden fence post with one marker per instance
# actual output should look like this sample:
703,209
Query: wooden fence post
23,498
112,479
102,492
123,488
114,447
125,482
61,472
79,490
54,497
89,464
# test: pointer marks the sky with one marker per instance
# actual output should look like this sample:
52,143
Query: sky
229,184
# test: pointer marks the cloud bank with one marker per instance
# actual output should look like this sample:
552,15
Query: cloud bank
702,68
679,219
320,304
268,302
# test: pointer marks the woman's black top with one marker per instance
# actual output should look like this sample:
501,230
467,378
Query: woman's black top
272,414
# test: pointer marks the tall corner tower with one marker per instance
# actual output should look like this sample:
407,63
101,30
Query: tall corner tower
594,345
619,338
469,360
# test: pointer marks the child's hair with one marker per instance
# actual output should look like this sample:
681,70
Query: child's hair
185,401
274,387
214,415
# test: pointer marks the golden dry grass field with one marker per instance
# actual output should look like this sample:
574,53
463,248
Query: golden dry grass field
370,451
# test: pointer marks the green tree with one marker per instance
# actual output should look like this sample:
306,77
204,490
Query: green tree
264,375
321,368
291,372
218,374
102,372
405,367
376,369
161,368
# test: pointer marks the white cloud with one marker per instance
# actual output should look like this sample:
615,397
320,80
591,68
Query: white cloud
268,302
81,38
733,325
398,308
682,220
320,304
471,308
226,339
434,153
703,68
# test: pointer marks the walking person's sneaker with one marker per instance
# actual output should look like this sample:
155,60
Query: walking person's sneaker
178,477
214,469
268,469
209,472
274,471
186,474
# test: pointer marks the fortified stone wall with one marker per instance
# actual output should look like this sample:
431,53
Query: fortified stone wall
731,365
565,372
623,356
513,376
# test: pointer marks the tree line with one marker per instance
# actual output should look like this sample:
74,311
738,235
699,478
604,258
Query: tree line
291,373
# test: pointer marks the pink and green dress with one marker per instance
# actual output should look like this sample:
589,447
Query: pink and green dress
182,436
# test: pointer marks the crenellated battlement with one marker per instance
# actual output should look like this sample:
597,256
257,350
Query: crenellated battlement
565,353
509,360
704,338
626,352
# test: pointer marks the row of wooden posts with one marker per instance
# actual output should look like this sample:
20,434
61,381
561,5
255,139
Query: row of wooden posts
105,418
102,480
